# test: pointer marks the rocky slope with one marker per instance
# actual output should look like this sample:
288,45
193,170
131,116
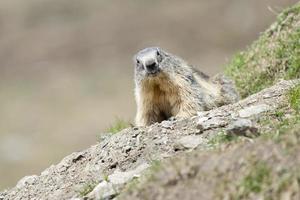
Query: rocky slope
247,150
104,169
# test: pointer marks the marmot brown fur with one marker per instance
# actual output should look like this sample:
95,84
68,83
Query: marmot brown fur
166,86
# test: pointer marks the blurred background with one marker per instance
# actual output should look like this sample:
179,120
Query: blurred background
66,69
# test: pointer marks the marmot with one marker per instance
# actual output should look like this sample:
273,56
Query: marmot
166,86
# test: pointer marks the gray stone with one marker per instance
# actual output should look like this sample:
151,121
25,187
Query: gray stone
201,114
27,180
119,178
2,195
161,141
167,124
253,110
188,142
103,190
205,123
242,127
202,120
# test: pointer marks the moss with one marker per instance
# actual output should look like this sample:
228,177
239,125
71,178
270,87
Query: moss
275,55
118,126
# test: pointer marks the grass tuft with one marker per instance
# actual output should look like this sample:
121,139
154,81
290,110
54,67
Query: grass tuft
294,98
276,55
87,188
118,126
221,138
255,180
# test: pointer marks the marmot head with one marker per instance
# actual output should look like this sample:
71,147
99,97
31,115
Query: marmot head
153,63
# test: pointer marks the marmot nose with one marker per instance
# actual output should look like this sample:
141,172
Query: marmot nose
152,68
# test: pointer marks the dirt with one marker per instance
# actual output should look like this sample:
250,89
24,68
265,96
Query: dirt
243,170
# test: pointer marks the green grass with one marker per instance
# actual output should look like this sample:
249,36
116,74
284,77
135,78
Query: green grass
279,114
294,119
257,178
105,177
294,98
263,180
275,55
286,179
283,119
220,138
118,126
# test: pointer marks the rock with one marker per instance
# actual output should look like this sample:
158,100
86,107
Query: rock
104,190
2,195
253,110
119,178
242,127
202,120
109,189
161,141
27,180
206,123
167,124
188,142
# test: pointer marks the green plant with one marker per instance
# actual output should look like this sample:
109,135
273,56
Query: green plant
118,126
87,188
221,138
105,177
257,178
275,55
294,98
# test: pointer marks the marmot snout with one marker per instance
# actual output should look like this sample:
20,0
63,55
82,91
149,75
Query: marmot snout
166,86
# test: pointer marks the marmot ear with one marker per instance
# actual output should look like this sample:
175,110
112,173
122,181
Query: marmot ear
158,51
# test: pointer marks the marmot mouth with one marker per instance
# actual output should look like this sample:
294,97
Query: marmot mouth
153,73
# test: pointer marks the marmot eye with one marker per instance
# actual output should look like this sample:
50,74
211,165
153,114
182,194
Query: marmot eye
137,61
157,53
